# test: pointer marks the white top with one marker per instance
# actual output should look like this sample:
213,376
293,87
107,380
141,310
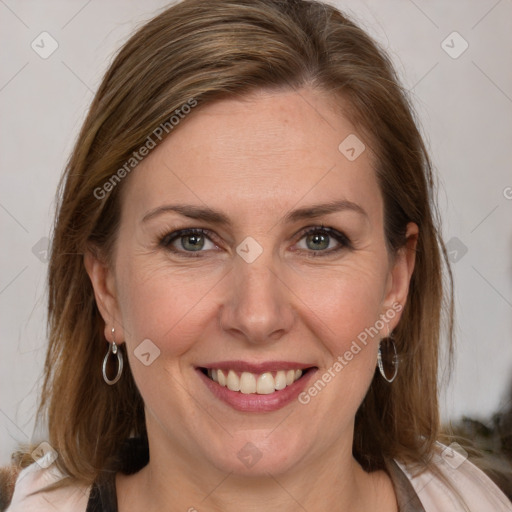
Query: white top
480,493
478,490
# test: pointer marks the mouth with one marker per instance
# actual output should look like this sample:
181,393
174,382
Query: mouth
262,387
255,383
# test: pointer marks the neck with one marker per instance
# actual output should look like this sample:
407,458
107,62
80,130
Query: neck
331,481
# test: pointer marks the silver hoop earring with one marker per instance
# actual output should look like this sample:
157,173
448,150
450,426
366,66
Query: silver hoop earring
395,362
113,349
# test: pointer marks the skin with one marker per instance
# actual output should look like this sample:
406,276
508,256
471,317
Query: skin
255,160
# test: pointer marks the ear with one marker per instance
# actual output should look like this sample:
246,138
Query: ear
400,273
103,283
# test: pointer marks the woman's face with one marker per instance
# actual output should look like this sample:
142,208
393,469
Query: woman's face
274,282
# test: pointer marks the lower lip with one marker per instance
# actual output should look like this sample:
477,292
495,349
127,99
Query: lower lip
252,402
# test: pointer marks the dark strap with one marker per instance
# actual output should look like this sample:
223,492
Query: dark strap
133,456
103,497
406,496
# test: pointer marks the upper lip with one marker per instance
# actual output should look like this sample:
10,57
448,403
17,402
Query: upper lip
261,367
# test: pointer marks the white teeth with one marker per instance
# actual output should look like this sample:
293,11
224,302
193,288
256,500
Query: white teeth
249,383
265,384
280,380
233,382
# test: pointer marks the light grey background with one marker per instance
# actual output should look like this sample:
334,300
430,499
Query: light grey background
465,107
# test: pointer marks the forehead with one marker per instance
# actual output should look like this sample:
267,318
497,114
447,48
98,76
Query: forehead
260,153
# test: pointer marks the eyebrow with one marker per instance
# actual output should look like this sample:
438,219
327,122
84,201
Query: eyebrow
216,217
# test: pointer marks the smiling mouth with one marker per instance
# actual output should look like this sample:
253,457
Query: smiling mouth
252,383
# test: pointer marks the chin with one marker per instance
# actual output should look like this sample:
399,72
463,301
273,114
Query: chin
259,454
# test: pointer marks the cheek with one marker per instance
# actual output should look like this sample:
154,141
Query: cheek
163,304
343,311
342,304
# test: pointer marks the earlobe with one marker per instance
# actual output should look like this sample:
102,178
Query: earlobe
103,283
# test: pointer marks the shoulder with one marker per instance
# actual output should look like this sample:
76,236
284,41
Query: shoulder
478,491
34,478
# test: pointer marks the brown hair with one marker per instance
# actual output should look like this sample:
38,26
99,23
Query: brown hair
204,51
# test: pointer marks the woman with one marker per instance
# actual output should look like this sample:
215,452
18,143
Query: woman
245,281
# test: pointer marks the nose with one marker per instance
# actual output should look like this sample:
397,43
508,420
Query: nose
258,304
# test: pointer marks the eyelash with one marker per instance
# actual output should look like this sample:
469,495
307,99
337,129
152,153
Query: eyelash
166,241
